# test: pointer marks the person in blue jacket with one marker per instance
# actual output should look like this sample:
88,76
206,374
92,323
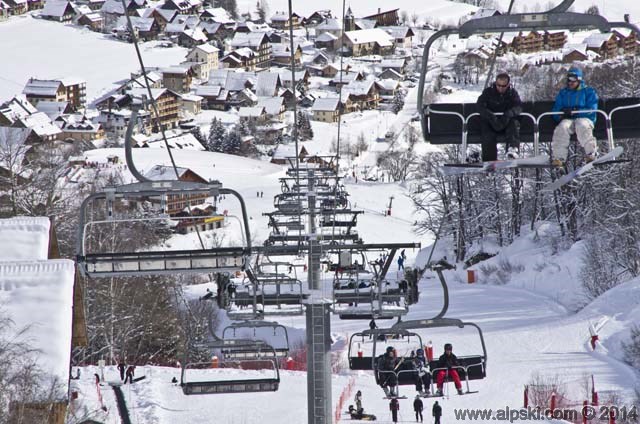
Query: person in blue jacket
576,96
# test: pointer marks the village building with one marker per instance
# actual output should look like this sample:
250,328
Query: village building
367,42
67,89
282,22
258,42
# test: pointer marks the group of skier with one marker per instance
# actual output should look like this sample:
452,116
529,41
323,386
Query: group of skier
389,366
500,108
357,412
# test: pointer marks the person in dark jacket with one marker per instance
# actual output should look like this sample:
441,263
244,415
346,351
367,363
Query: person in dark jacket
500,97
574,97
418,406
130,373
448,361
394,406
436,411
423,379
121,367
387,376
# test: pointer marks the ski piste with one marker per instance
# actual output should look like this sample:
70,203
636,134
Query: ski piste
491,166
567,178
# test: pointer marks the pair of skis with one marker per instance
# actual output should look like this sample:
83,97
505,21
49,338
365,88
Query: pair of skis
541,161
492,166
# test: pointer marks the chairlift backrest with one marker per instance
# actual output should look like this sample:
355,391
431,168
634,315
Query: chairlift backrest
447,128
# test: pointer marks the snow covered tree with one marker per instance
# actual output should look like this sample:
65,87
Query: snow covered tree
232,143
305,132
197,133
262,10
217,135
592,10
397,102
230,6
632,348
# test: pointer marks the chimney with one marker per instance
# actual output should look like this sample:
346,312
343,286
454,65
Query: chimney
378,11
627,18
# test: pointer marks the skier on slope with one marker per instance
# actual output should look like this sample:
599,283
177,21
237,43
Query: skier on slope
418,406
394,406
436,411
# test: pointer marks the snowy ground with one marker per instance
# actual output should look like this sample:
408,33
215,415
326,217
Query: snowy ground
37,48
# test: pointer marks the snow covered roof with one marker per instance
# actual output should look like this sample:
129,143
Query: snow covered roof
580,48
178,140
139,92
398,31
112,7
331,24
52,109
597,39
217,14
175,27
267,83
375,35
195,34
141,24
251,39
208,90
485,13
251,112
55,8
167,14
164,172
392,63
271,105
206,48
176,69
41,87
17,107
365,23
93,16
358,88
218,76
280,17
41,124
389,84
326,104
29,238
190,97
37,295
326,37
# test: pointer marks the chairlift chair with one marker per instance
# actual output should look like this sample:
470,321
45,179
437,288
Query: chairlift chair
281,350
458,123
200,377
471,367
100,261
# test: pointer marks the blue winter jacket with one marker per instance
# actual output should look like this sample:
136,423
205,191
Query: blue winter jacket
584,98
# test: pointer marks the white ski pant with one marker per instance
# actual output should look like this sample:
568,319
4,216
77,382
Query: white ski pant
582,127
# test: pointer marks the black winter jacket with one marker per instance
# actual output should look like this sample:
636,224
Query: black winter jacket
447,361
492,101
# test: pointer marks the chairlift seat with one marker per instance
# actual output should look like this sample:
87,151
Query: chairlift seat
447,129
248,386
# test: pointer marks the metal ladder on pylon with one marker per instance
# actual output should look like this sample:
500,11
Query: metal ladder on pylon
319,363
